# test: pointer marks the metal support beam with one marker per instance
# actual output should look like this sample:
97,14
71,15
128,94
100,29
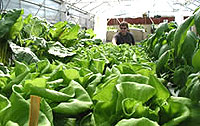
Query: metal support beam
184,6
58,1
98,6
41,5
76,2
76,8
86,5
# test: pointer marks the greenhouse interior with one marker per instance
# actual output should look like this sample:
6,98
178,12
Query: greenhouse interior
100,63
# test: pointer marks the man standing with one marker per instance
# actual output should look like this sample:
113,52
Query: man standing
123,36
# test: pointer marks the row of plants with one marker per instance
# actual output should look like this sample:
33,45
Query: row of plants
85,82
33,38
103,85
176,52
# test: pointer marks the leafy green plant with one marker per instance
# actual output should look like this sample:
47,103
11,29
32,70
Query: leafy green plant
88,90
10,27
174,49
86,82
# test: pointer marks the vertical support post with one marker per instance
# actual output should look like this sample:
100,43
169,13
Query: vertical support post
34,110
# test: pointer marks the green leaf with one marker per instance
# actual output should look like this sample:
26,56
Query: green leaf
129,106
91,85
35,27
182,100
161,90
23,54
3,80
176,113
87,120
19,110
126,68
108,112
189,46
20,68
71,74
163,49
21,72
8,21
196,9
38,82
139,92
46,109
91,33
10,123
102,91
162,61
105,113
16,28
58,74
180,34
27,19
57,29
57,49
137,122
69,34
4,104
180,75
47,93
79,104
193,87
4,68
161,28
197,20
97,66
151,42
193,120
133,78
170,36
42,66
156,50
196,60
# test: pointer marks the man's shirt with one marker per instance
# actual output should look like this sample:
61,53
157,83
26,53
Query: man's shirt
121,39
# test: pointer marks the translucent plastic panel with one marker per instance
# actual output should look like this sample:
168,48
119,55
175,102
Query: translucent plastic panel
10,4
52,16
32,9
52,4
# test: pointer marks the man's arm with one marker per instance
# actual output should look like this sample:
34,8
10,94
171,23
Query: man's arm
114,41
133,40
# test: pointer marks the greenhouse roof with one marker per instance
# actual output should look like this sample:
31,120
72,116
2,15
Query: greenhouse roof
134,8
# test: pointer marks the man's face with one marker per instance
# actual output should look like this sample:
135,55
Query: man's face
123,30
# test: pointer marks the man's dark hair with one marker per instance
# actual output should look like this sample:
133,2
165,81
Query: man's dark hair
123,23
